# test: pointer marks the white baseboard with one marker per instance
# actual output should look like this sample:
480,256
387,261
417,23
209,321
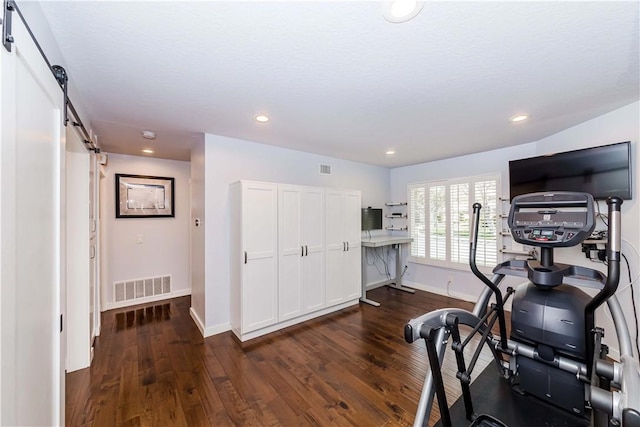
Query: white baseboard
216,329
137,301
254,334
379,283
211,330
197,320
440,291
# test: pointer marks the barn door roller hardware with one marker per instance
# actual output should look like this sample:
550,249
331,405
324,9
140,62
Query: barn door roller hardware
7,38
62,77
59,73
63,80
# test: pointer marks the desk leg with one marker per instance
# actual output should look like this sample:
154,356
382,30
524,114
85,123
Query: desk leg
398,284
363,280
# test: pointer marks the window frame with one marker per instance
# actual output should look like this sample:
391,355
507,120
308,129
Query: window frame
448,183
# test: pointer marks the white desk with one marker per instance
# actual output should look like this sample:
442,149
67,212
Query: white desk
395,282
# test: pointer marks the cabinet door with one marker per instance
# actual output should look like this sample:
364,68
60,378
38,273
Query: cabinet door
290,251
351,218
352,272
335,247
352,269
312,220
259,299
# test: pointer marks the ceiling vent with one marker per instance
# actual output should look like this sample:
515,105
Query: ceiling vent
325,169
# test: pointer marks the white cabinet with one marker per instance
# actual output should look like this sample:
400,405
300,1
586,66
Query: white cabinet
343,235
280,254
255,270
301,250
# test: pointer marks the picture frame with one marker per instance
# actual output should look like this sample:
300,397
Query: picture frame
142,196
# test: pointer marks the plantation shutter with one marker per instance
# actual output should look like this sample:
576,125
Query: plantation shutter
459,212
486,193
417,223
440,221
437,222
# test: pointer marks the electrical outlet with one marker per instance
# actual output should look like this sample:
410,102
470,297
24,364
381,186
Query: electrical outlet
139,239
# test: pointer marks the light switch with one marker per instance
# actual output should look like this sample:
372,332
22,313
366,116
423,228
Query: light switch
139,239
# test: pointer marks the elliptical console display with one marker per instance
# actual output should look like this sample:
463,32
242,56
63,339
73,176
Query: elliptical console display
552,220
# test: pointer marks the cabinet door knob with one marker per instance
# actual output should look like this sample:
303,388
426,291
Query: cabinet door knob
301,250
347,245
306,250
245,257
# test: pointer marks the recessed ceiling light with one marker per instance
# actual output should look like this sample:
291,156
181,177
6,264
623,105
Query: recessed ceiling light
148,151
262,118
148,134
390,153
519,118
398,11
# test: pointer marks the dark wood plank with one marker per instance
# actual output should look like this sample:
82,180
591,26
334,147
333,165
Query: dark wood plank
152,367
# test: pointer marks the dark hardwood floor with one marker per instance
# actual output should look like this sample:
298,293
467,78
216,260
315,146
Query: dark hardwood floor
153,368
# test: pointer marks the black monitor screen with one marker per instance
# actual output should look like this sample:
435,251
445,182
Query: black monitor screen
601,171
371,219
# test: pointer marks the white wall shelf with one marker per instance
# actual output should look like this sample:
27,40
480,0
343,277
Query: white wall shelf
398,212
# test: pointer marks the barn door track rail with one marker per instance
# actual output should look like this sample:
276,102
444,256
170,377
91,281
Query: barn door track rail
59,73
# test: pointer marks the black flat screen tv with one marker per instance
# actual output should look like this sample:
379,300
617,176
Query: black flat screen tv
602,171
371,219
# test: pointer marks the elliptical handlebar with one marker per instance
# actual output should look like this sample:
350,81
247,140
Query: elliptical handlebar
613,275
473,244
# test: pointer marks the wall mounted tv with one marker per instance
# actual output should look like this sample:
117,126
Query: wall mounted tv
371,219
602,171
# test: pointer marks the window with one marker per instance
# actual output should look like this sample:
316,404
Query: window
440,220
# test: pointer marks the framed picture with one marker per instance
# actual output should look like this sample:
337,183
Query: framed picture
139,196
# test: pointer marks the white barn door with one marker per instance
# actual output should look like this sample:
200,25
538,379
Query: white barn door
78,310
31,237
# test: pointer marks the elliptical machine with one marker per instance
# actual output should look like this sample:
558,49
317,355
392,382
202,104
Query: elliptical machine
554,352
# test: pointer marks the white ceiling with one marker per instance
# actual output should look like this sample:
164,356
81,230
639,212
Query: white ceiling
337,79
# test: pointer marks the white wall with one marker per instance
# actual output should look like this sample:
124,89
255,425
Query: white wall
620,125
166,247
229,160
198,254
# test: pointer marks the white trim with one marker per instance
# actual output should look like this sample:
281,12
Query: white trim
440,291
282,325
217,329
459,266
443,291
211,330
197,320
132,302
379,284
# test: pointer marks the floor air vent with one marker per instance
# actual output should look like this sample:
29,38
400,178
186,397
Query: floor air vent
128,290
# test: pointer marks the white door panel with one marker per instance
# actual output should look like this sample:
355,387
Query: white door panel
290,252
32,237
260,243
259,294
313,226
78,244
